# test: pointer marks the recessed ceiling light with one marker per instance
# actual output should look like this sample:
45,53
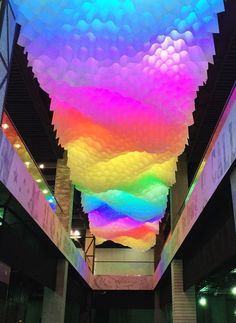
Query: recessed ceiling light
41,166
5,126
27,163
45,191
38,180
17,146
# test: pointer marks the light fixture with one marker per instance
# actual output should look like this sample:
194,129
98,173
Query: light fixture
202,301
5,126
51,200
75,234
41,166
1,215
45,191
17,146
204,289
27,163
38,180
233,290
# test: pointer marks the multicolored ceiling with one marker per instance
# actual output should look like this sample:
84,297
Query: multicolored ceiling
122,76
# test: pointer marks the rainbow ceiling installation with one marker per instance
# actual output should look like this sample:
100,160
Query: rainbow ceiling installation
122,76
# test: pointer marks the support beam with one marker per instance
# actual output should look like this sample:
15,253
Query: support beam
89,249
64,192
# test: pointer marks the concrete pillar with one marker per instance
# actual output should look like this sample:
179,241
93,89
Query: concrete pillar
53,310
54,301
159,314
183,302
179,190
233,192
64,192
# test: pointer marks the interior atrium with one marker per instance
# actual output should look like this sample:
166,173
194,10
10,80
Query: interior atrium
117,161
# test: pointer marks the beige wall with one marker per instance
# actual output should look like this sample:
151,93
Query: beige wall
122,261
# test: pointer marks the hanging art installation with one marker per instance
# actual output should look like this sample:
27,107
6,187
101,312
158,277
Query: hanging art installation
122,76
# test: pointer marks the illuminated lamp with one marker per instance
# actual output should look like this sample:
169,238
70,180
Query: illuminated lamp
5,126
203,301
27,163
1,215
233,290
17,146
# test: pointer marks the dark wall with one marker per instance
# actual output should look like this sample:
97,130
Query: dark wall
131,316
123,306
123,299
35,262
213,95
212,243
23,245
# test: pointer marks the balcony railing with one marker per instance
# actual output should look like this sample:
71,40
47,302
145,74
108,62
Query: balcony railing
23,152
